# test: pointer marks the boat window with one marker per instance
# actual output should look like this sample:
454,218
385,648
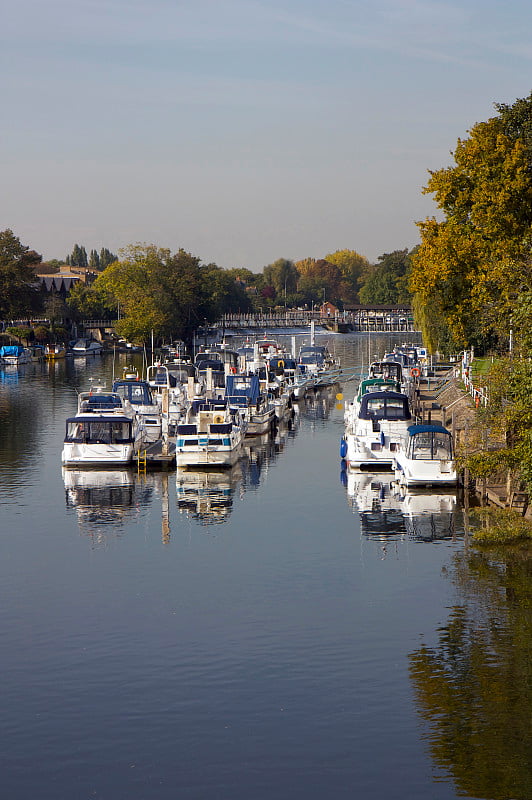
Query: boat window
99,431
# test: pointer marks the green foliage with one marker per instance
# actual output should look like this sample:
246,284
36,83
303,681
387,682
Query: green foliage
169,294
21,333
319,281
78,257
106,258
18,265
387,281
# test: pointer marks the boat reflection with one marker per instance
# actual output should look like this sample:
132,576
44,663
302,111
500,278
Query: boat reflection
206,495
105,499
389,511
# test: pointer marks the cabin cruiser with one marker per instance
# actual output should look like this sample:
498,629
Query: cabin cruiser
86,347
319,364
374,430
14,354
137,395
103,432
244,392
425,457
54,352
211,435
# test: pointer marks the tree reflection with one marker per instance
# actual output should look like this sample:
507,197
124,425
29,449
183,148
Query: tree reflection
475,686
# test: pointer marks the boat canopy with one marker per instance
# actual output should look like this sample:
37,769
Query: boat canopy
137,392
100,402
378,385
429,443
11,350
242,386
99,430
281,363
384,406
386,369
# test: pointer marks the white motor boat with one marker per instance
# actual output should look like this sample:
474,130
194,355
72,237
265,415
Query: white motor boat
103,432
212,435
375,429
244,392
425,457
87,347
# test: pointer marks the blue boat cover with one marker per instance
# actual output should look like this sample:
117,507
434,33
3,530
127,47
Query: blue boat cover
11,350
413,429
243,386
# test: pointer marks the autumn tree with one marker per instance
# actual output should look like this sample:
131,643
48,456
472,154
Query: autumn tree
474,263
353,266
319,280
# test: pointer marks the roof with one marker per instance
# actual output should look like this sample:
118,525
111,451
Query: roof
413,429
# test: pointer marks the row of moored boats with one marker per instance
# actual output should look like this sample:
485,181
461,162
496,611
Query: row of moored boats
382,433
17,354
196,413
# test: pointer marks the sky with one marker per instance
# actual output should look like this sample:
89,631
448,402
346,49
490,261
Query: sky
243,130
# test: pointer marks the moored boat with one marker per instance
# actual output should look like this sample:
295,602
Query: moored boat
87,347
53,352
14,354
425,457
103,431
375,429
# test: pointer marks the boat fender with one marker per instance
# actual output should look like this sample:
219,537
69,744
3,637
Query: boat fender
343,448
415,372
382,438
343,477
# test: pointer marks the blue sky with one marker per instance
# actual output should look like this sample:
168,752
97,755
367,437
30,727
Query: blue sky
243,130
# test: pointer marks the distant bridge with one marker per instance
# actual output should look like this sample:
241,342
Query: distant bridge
361,318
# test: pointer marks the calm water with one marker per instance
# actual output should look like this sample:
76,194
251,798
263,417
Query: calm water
276,631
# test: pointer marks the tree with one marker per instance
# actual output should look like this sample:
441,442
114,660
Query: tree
475,262
94,261
387,281
352,266
282,275
106,258
19,294
169,294
78,257
319,280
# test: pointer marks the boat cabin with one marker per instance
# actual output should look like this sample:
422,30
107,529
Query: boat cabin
137,392
386,369
99,430
429,443
378,385
377,406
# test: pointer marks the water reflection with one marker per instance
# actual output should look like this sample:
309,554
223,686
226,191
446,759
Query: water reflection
105,500
207,495
388,510
474,685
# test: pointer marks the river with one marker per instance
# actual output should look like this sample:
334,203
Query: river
279,630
